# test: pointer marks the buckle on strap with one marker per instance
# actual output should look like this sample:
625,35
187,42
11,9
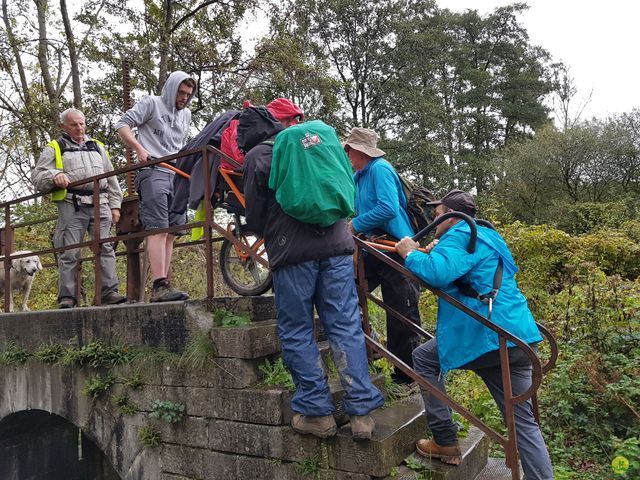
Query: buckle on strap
488,298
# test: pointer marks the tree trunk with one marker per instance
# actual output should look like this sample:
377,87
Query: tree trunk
28,100
41,6
165,38
73,56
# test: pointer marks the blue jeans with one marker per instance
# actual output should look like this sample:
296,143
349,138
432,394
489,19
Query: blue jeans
533,451
328,285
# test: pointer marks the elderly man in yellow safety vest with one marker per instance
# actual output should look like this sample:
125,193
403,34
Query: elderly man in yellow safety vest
72,157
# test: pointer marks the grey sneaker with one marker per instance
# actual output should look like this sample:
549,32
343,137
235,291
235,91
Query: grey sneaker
166,293
113,298
362,426
322,427
67,302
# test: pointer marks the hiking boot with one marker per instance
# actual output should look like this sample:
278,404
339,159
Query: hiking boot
429,448
166,293
113,298
67,302
322,427
362,426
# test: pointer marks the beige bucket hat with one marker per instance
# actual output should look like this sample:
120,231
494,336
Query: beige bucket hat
364,140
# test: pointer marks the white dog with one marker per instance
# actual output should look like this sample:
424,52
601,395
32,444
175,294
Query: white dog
22,273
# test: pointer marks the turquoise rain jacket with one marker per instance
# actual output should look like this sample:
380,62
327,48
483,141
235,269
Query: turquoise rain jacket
380,201
460,338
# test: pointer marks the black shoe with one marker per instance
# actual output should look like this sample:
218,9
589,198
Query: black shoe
113,298
400,378
67,302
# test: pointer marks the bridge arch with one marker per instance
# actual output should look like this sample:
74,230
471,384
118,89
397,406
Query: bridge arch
49,398
38,445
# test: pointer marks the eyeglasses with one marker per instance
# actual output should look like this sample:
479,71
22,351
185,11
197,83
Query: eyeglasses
347,149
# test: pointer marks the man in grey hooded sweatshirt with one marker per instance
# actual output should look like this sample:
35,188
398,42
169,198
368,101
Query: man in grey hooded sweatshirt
162,123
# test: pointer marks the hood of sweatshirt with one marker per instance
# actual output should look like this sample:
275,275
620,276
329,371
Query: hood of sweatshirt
255,125
170,90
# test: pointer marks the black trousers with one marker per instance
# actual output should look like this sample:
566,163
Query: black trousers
401,294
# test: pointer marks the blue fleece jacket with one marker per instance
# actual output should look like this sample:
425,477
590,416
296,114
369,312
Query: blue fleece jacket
460,338
380,201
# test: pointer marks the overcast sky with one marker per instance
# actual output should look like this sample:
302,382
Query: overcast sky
597,40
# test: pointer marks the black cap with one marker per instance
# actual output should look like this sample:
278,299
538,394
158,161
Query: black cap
459,201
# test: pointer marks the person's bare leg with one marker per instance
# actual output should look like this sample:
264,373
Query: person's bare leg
168,254
156,252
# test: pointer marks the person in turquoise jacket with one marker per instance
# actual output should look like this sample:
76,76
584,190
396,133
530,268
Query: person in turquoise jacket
381,210
462,342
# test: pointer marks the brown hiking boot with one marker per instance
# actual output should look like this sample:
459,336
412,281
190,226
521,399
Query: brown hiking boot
166,293
429,448
322,427
362,426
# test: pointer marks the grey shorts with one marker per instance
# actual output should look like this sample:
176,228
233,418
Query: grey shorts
155,188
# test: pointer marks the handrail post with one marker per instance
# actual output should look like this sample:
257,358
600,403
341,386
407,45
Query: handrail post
363,289
8,248
511,449
208,247
95,244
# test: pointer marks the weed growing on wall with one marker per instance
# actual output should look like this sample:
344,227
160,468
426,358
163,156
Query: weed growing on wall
167,411
276,373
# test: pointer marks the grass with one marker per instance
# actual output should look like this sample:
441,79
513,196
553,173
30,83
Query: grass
149,436
198,352
309,467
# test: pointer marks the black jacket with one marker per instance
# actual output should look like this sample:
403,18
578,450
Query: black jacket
190,192
287,240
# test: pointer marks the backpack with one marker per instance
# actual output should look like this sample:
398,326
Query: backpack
311,174
419,213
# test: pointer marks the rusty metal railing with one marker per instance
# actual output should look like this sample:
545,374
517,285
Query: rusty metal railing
508,442
208,224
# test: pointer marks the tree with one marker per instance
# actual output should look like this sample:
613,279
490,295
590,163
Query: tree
471,84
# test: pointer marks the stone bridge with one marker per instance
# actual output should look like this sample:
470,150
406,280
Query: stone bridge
170,391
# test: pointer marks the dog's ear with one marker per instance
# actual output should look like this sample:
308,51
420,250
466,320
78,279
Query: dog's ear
15,263
38,264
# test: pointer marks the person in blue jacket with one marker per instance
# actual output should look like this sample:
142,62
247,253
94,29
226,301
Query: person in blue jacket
381,210
462,342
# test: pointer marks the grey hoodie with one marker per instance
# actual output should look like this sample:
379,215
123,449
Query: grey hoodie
162,129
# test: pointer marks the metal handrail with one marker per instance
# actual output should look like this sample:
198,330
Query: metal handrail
209,224
509,442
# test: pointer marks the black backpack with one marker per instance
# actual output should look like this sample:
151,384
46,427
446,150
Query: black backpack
420,214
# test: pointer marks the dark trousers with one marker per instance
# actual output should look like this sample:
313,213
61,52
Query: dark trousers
402,295
533,451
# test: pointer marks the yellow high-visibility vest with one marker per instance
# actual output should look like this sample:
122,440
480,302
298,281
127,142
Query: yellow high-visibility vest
59,194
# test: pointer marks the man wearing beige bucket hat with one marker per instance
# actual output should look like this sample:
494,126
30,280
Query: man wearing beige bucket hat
381,209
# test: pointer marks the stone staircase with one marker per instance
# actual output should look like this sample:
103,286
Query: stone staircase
240,428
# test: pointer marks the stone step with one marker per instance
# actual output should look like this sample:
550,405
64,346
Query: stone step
496,470
397,428
475,449
251,341
184,463
265,405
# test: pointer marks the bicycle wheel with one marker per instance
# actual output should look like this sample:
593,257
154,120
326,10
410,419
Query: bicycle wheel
243,275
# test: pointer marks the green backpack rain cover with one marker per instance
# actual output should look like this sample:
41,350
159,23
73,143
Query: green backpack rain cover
311,174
